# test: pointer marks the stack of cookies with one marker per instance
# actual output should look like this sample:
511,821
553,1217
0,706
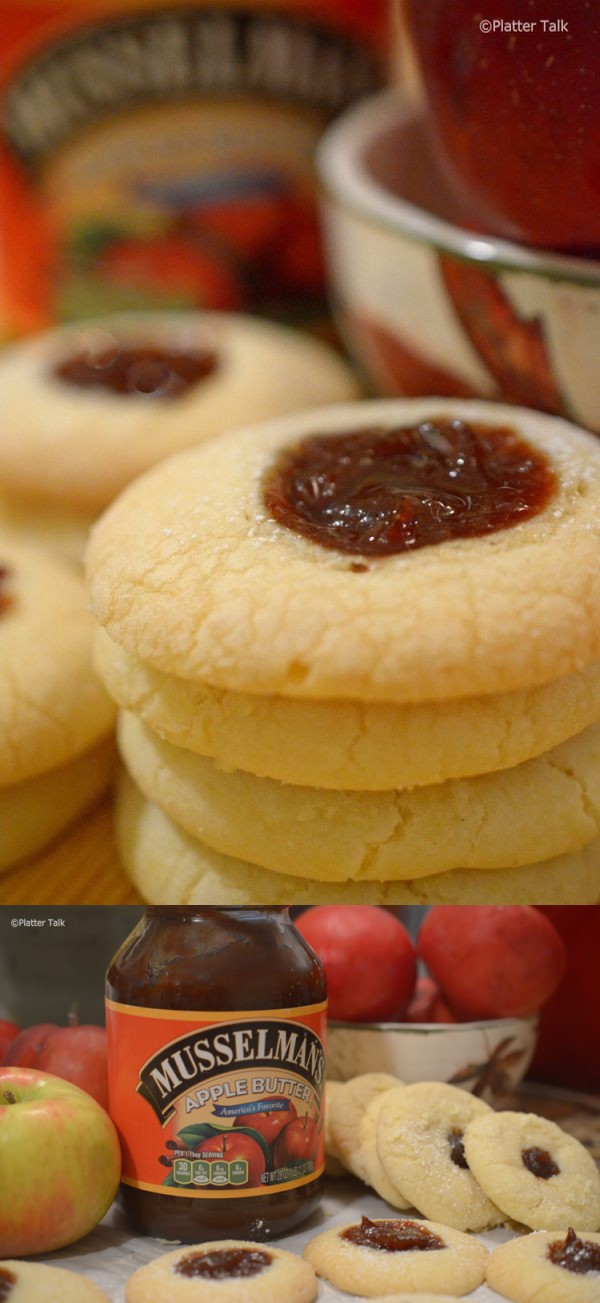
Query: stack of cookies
119,394
57,754
358,656
443,1151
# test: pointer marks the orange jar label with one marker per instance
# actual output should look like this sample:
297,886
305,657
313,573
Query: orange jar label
218,1105
159,153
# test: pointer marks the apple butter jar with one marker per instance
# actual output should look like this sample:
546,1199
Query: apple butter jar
216,1028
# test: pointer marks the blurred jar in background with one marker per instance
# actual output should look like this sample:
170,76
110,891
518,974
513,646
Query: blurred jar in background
157,154
512,91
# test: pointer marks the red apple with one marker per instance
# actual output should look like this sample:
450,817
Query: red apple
369,959
568,1049
60,1162
516,113
297,1142
232,1146
428,1004
8,1032
492,961
24,1049
271,1122
77,1053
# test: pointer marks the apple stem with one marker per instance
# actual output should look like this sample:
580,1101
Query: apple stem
73,1017
9,1097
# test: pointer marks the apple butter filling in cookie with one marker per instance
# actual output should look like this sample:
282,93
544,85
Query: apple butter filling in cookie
541,1266
539,1162
383,1256
393,1236
386,490
150,371
224,1271
224,1264
575,1254
535,1172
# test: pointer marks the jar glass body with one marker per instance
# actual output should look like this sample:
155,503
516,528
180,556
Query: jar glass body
182,958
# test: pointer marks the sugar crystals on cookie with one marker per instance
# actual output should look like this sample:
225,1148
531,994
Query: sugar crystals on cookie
380,1256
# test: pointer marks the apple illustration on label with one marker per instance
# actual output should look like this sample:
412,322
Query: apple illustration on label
60,1162
297,1142
270,1123
231,1147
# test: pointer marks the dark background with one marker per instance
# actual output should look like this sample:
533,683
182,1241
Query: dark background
45,970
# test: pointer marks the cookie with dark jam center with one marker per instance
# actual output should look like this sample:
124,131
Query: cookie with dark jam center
392,1236
574,1254
147,370
540,1163
377,492
224,1264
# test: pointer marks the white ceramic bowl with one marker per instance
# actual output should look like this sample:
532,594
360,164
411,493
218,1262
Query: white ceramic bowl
428,307
487,1058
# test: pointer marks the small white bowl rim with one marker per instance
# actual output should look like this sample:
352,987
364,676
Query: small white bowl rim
344,176
483,1024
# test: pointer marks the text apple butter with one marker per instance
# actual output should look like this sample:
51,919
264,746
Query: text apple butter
150,371
579,1256
216,1029
392,1236
377,492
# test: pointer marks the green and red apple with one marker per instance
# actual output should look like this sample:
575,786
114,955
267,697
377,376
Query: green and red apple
60,1162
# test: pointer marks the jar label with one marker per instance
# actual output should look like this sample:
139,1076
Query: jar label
159,153
218,1105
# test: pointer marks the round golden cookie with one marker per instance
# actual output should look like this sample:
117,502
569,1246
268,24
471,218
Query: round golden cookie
32,813
56,530
420,1134
457,1263
278,1276
52,705
415,1298
347,1109
346,744
545,807
372,1169
562,1191
189,572
68,444
32,1282
522,1269
563,880
169,867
